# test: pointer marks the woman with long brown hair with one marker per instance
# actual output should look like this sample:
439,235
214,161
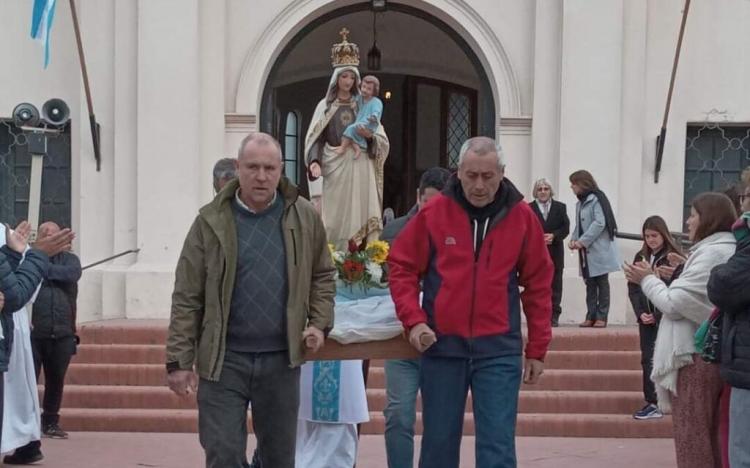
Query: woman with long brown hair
686,384
594,239
657,245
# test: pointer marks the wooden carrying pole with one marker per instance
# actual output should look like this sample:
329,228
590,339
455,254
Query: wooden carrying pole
87,89
660,140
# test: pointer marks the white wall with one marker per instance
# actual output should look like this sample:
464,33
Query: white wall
163,82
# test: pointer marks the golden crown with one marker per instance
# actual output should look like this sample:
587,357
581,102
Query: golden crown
345,53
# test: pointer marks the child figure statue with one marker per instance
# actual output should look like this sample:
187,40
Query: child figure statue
370,112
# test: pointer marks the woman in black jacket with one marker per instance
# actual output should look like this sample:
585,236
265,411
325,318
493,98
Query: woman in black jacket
657,245
729,290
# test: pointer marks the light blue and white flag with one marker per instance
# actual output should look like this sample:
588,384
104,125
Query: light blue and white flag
41,24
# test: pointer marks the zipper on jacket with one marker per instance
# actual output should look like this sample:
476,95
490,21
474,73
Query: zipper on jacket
489,255
294,247
473,304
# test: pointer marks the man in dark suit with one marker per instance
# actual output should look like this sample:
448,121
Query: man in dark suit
554,218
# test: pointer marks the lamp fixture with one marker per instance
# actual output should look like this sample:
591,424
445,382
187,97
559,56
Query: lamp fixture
374,56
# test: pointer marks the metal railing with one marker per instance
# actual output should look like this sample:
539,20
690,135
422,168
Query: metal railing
131,251
680,237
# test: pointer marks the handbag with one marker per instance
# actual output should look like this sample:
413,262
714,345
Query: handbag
708,338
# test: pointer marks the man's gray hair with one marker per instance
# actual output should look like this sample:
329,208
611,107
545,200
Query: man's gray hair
225,168
262,139
481,146
539,183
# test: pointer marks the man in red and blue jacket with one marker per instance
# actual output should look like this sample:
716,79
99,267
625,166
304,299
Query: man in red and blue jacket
473,247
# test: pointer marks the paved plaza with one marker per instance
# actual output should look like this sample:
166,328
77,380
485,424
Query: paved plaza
133,450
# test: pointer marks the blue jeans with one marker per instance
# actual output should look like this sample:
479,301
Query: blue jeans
402,385
494,383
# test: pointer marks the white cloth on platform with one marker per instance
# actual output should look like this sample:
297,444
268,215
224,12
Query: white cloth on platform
333,392
321,445
21,415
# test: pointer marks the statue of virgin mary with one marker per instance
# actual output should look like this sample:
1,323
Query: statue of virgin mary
351,191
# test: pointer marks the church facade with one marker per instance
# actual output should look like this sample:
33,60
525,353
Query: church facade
563,84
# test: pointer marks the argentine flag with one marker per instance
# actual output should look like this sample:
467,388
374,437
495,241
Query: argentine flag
41,24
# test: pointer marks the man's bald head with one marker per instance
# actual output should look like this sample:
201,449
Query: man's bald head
47,229
259,139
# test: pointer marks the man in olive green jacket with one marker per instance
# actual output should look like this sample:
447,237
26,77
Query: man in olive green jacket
254,285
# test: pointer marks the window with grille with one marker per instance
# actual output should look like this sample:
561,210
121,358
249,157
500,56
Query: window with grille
291,147
458,125
15,170
715,155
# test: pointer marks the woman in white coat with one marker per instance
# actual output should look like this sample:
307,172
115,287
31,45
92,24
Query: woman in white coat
686,384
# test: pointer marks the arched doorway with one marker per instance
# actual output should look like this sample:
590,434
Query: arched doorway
435,89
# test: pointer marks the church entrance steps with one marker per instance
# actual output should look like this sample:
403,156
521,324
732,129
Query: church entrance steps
590,387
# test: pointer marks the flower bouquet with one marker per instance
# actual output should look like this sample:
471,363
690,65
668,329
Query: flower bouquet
364,309
359,269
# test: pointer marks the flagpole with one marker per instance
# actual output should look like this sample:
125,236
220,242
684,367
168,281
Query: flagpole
84,71
660,140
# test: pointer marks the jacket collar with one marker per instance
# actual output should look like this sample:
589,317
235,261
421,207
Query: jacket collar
218,213
716,238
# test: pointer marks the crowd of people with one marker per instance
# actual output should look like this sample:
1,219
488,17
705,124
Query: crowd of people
38,292
435,268
255,292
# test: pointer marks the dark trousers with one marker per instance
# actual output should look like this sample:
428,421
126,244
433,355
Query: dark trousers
557,283
52,354
264,380
648,340
597,297
494,384
2,403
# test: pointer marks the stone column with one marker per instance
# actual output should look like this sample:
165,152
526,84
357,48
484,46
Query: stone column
169,189
545,135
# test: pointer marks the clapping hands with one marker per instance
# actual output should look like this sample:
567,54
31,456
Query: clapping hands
635,272
18,239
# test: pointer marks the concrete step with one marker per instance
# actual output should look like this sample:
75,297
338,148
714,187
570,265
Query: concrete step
120,354
560,379
156,354
122,331
116,374
553,425
554,379
150,397
589,402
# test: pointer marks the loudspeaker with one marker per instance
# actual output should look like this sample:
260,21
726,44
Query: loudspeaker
55,112
25,115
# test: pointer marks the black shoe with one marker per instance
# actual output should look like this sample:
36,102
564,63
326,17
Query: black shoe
23,458
53,431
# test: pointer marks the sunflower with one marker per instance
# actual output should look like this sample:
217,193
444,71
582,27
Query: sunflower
378,251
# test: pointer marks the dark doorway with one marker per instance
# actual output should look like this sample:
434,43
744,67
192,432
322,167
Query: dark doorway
429,108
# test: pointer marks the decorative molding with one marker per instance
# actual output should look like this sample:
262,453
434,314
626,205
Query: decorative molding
464,19
515,122
240,122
